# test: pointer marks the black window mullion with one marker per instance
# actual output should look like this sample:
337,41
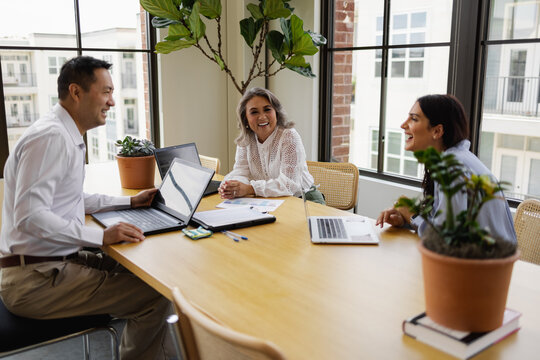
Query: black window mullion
4,148
384,83
153,82
325,89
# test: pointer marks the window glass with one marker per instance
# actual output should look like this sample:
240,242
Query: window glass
400,21
411,72
31,93
31,22
534,175
511,113
131,113
534,144
510,19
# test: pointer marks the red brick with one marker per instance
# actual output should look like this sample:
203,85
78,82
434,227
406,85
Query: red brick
340,150
343,89
341,110
342,69
341,130
345,5
345,27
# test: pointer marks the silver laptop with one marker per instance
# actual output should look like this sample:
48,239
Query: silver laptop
164,157
174,204
352,229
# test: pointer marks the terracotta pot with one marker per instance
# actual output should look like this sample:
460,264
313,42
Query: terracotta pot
466,294
136,172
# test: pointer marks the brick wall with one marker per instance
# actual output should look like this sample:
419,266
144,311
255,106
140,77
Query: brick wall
342,80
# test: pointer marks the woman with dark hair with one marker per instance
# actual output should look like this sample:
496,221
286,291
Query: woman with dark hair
440,121
270,158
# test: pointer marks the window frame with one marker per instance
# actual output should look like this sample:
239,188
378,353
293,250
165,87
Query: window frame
151,37
465,74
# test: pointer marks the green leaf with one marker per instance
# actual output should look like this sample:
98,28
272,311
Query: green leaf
161,8
275,9
297,60
159,22
317,39
179,30
297,30
304,71
195,23
219,61
165,47
274,40
210,8
247,29
304,46
255,11
287,32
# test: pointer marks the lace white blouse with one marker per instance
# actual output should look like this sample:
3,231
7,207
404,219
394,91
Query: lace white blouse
274,168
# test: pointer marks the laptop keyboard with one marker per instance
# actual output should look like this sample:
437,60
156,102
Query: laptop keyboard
331,229
146,219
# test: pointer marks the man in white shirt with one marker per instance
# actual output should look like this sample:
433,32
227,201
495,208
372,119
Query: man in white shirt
44,272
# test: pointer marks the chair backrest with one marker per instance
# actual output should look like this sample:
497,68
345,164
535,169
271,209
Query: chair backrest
210,163
213,340
338,182
527,225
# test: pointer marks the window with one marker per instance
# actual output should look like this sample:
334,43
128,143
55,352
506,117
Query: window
510,119
394,52
130,118
386,66
32,53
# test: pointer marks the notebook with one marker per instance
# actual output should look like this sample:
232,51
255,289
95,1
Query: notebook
187,152
174,204
232,218
353,229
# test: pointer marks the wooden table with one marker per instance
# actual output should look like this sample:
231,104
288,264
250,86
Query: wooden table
313,301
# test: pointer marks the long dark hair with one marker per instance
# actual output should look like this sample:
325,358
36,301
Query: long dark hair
447,111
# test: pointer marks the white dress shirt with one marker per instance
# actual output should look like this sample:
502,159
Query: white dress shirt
274,168
44,203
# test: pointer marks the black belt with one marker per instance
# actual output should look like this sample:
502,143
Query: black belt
17,260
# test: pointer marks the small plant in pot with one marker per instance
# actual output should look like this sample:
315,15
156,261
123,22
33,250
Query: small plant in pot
136,163
466,270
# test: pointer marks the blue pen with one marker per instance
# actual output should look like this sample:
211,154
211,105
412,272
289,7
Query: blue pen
237,235
229,235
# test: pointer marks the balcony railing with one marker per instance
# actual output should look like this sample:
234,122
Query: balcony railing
21,119
514,95
19,79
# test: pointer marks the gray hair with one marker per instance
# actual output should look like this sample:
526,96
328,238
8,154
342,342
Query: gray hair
245,130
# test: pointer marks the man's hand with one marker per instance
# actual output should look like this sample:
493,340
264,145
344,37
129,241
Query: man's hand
122,232
144,198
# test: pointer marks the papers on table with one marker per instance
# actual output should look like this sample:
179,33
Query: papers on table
262,205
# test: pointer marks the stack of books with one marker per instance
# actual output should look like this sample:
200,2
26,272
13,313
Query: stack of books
459,343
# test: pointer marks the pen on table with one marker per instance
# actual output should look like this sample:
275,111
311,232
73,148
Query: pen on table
237,235
226,233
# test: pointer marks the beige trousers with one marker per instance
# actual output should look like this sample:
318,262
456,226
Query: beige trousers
92,284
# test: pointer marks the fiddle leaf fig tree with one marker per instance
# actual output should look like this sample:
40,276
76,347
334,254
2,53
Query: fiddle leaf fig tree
288,46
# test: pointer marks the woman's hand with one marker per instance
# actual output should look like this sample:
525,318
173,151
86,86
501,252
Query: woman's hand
233,188
391,216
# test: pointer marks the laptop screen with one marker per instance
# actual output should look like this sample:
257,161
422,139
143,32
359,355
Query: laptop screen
165,156
182,188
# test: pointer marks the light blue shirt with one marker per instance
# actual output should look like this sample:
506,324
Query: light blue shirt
494,216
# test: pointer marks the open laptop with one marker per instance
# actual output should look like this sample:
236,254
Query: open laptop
187,152
352,229
174,204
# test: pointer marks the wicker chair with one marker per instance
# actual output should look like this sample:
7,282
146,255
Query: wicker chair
210,163
527,225
338,182
205,338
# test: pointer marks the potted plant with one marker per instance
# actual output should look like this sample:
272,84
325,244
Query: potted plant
136,163
466,270
288,44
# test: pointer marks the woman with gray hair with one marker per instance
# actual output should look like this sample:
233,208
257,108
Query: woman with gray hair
270,157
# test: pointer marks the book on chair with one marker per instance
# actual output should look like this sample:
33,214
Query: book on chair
460,344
